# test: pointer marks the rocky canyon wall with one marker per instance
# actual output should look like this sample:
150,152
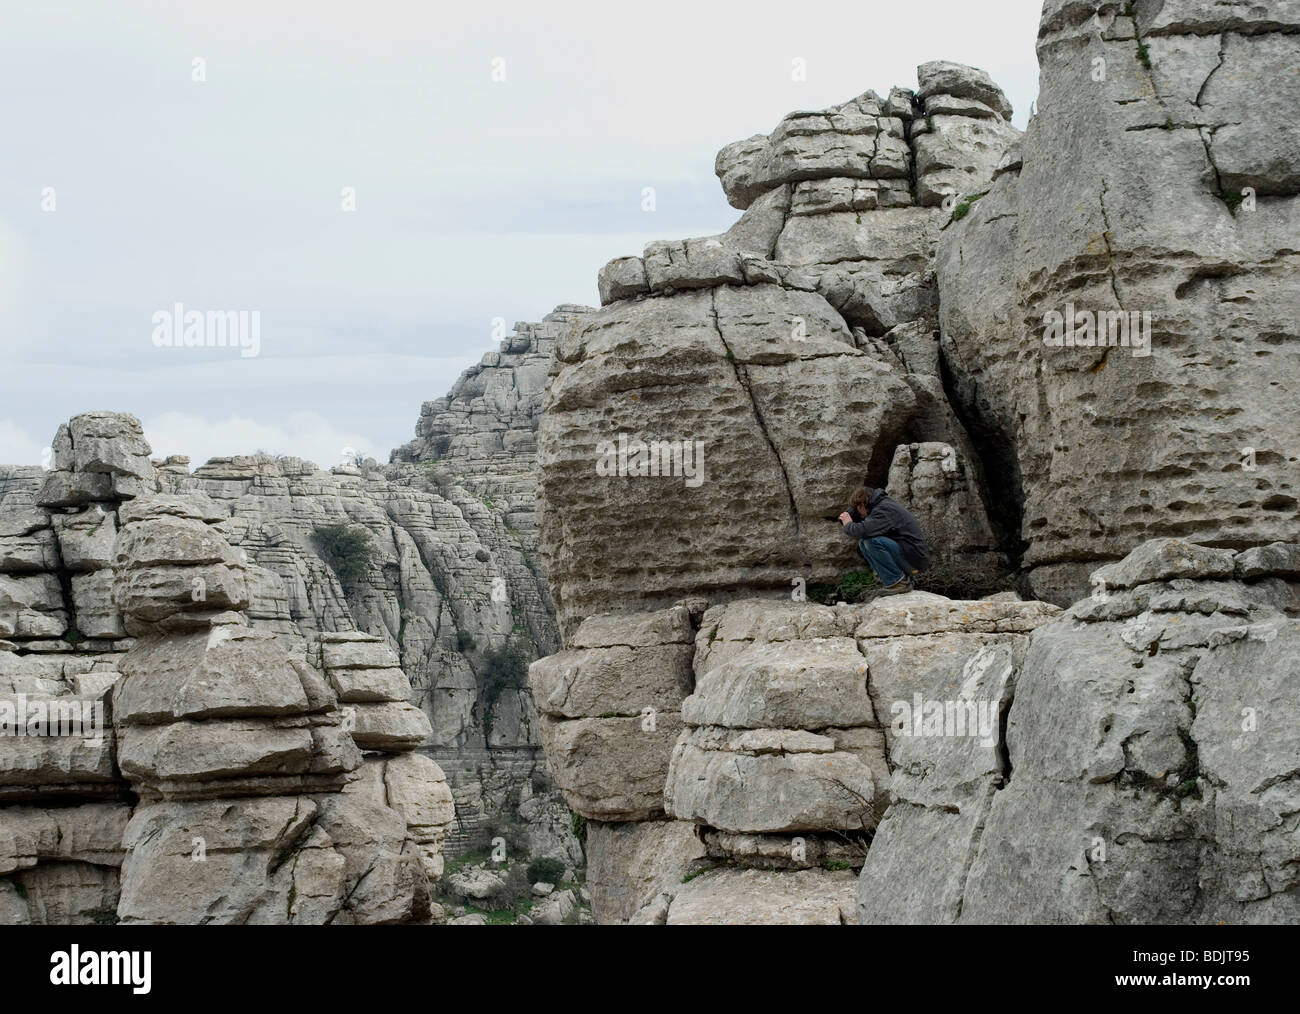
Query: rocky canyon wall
423,652
1072,353
166,759
1158,178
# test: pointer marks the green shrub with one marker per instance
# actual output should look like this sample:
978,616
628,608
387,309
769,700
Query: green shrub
465,641
854,586
437,479
346,548
545,871
963,209
578,825
504,668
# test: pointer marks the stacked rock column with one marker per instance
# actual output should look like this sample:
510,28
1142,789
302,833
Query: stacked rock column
238,754
63,803
610,710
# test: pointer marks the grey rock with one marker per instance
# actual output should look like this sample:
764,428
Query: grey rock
943,78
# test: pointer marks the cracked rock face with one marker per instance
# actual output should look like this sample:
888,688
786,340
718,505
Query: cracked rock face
1129,197
234,746
453,584
792,354
611,711
1148,773
205,715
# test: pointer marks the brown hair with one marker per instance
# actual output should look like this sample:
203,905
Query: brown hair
860,498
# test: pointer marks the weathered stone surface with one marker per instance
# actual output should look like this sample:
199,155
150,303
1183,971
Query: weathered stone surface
1152,221
722,367
202,751
853,139
227,672
959,154
1281,558
616,681
755,332
32,606
98,456
1136,784
89,833
667,626
806,684
331,859
781,734
948,758
26,541
765,898
1162,559
923,613
611,768
476,884
940,668
766,792
941,488
622,278
942,78
389,726
60,894
555,909
34,766
630,864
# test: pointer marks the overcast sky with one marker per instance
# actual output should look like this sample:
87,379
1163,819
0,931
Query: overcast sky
475,198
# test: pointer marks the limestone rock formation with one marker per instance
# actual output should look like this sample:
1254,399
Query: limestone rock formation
735,388
165,758
1148,768
611,709
782,766
1072,354
1159,179
452,582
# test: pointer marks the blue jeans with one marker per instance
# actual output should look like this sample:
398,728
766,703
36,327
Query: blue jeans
886,559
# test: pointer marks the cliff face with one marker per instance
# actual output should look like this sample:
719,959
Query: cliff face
1072,354
980,759
784,360
452,583
166,760
1159,178
422,652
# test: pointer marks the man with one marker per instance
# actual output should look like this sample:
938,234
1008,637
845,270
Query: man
888,537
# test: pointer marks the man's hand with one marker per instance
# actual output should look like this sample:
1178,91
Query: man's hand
845,518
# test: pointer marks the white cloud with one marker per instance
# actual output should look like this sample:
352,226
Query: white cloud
17,447
302,434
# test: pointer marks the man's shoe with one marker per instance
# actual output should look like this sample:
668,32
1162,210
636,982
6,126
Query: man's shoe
899,587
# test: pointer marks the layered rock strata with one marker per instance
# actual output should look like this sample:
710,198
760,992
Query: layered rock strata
167,760
1154,201
765,371
1148,769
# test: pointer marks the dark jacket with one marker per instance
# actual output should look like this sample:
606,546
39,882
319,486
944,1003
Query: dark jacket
886,516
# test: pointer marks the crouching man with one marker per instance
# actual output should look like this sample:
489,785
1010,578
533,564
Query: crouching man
889,538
